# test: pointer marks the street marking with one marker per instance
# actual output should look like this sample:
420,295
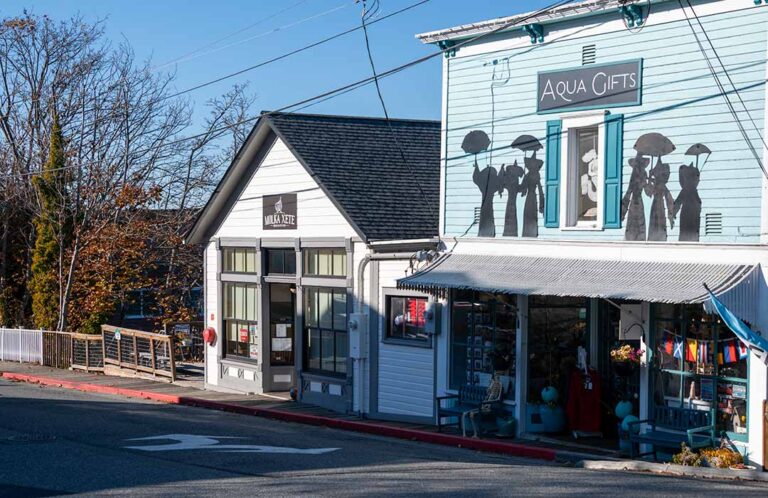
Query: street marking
212,443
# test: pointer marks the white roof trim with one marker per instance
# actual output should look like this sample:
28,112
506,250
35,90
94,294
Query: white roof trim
585,7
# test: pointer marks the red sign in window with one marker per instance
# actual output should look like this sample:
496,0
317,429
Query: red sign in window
416,309
243,335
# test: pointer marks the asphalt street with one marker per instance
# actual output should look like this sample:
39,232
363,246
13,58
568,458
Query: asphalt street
55,441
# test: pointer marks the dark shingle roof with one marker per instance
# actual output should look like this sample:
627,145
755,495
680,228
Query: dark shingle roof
357,161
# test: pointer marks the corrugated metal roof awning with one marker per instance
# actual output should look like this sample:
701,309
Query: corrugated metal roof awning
661,282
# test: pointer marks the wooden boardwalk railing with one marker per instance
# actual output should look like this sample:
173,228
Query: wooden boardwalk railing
87,352
57,349
139,351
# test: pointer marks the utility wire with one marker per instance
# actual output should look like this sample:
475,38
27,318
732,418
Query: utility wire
727,74
351,86
720,86
366,16
230,35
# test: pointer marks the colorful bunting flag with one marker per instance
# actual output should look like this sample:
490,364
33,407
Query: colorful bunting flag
669,342
743,350
703,351
691,350
678,348
729,351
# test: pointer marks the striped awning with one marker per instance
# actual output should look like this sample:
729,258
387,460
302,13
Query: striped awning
660,282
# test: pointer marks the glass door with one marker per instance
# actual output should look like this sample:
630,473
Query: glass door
282,309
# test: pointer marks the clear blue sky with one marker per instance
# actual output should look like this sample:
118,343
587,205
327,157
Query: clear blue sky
165,30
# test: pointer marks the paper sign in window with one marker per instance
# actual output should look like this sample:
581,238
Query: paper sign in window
281,344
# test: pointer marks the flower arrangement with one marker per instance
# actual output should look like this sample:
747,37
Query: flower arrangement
626,354
723,457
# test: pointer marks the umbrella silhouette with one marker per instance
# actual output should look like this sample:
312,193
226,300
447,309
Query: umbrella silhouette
527,143
475,142
697,150
654,144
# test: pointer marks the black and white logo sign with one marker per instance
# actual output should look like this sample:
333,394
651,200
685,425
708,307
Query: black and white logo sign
280,212
591,87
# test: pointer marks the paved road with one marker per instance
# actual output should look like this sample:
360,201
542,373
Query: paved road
54,441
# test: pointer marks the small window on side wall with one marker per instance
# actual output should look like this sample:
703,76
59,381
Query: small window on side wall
406,319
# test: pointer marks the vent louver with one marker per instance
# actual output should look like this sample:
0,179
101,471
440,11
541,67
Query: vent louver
588,54
713,224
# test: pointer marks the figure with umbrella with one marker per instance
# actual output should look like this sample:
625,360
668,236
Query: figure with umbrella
510,180
632,205
530,187
487,181
662,204
688,202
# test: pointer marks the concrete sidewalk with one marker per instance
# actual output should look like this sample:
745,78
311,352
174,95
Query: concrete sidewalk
263,406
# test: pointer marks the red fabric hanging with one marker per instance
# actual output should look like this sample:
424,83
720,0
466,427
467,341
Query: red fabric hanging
583,408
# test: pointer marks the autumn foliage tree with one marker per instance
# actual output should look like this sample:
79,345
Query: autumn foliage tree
97,181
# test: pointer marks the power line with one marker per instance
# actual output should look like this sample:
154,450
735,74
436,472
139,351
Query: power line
727,74
720,86
349,87
230,35
366,16
266,33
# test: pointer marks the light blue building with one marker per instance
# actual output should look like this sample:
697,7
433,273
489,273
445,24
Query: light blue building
602,161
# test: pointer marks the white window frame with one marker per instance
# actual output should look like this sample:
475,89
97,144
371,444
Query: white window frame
569,125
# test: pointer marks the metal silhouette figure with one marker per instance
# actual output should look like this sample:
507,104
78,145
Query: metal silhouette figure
533,192
688,202
487,181
662,205
510,180
632,205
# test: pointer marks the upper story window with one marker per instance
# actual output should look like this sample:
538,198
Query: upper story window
582,193
239,259
325,262
281,262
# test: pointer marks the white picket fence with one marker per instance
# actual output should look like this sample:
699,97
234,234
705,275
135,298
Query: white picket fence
22,345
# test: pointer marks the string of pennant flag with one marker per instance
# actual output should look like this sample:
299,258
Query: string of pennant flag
701,351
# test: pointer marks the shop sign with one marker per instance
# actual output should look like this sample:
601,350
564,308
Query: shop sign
243,335
590,87
279,212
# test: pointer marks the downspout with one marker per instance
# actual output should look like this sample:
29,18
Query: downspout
361,298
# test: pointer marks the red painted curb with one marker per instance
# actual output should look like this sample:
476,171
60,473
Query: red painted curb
302,418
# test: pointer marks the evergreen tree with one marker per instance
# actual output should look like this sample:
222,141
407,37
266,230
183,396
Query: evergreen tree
49,226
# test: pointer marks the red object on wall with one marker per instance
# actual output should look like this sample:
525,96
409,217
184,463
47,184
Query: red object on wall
209,335
583,409
416,309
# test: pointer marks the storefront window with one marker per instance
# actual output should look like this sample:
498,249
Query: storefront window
325,262
325,327
700,364
582,171
239,259
240,320
405,319
483,336
557,326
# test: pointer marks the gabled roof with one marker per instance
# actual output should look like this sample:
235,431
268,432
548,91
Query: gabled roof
357,162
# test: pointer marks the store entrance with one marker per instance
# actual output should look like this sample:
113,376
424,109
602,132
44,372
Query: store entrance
280,371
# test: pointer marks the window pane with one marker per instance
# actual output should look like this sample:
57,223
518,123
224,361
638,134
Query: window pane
325,309
324,263
250,261
396,320
327,361
251,303
339,263
290,262
587,171
461,319
310,262
276,261
340,310
732,407
669,345
311,311
313,349
341,352
240,260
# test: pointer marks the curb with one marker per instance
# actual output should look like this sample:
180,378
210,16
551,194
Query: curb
676,470
511,449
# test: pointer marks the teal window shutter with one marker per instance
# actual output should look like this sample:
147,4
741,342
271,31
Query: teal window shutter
552,194
614,149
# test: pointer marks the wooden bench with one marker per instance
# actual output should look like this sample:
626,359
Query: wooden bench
469,400
670,427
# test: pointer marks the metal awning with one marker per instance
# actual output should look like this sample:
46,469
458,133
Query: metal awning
661,282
